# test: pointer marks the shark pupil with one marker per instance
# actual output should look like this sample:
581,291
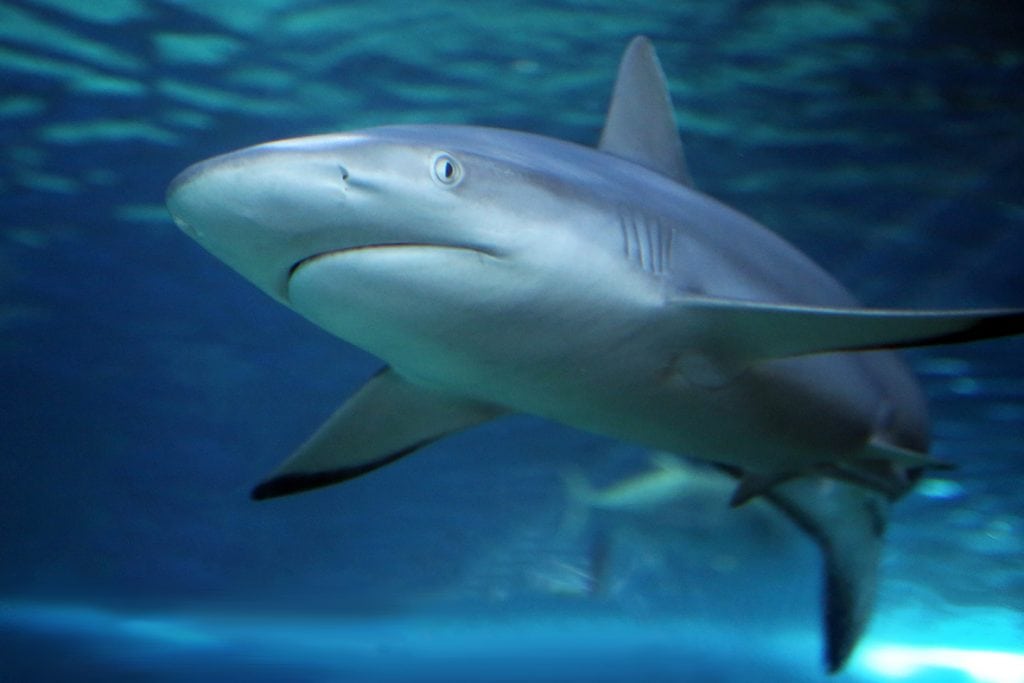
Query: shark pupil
446,170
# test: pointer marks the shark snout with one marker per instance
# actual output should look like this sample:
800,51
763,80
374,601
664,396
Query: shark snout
182,180
178,214
208,196
181,197
263,209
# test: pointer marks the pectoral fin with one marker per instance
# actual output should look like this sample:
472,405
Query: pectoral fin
754,330
387,419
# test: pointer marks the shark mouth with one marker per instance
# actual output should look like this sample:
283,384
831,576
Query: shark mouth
309,260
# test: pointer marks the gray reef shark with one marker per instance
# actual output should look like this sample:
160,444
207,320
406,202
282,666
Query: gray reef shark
497,271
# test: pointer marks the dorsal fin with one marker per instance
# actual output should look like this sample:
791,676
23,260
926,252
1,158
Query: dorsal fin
641,124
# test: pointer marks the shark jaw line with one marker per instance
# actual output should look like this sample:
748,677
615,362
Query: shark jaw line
365,248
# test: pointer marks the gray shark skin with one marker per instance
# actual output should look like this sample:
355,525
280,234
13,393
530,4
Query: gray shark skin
497,271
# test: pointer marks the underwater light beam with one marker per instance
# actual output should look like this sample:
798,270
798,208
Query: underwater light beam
982,666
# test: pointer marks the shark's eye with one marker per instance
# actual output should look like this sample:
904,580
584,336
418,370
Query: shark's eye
446,170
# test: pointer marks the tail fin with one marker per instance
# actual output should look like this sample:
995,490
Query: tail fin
578,496
576,524
848,524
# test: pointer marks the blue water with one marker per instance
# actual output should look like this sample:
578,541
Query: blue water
146,388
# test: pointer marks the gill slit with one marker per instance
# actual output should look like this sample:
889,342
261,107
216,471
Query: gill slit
645,242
